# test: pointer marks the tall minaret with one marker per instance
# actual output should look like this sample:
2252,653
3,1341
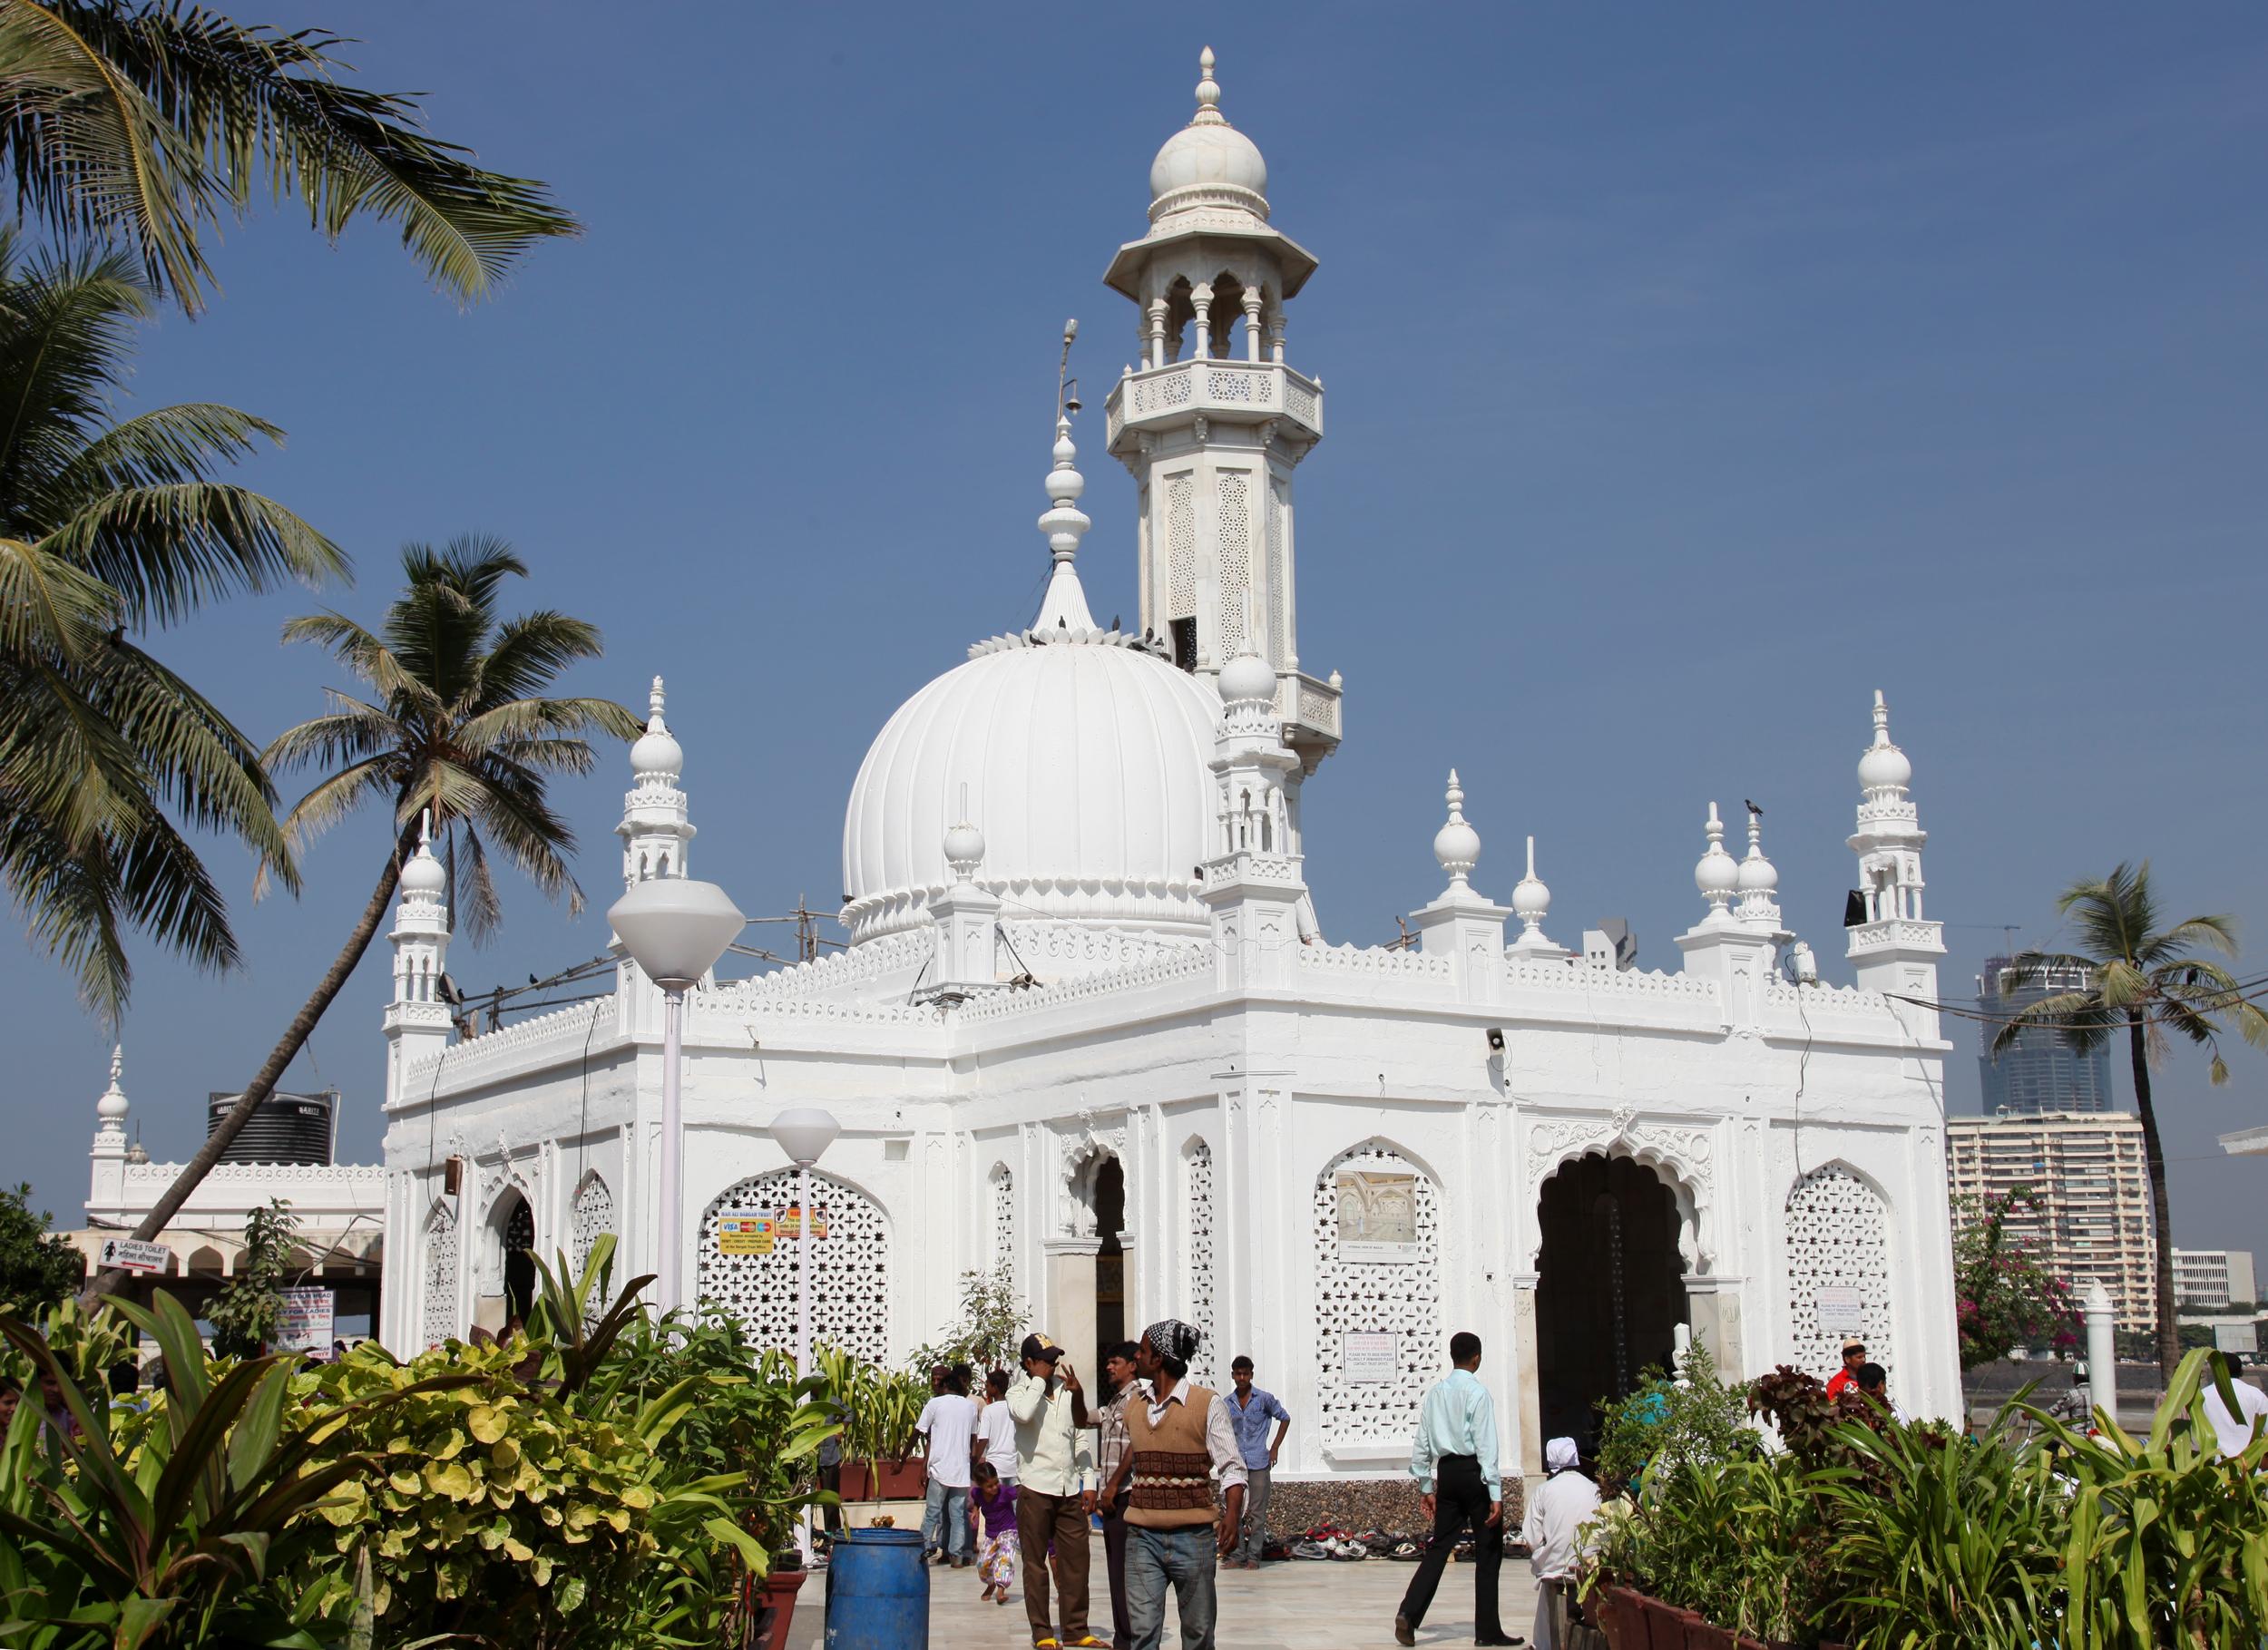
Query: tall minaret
1213,422
1896,948
417,1020
657,825
106,1188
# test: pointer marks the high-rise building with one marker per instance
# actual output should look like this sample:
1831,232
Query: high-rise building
2042,1071
2211,1279
2086,1170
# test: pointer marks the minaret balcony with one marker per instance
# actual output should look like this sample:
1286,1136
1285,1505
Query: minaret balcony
1234,391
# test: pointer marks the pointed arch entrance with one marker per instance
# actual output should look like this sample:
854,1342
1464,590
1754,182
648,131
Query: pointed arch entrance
1610,1287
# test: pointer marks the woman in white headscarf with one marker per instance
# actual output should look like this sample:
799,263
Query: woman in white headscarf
1556,1512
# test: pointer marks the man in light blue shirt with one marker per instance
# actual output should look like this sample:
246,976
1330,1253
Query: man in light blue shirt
1453,1460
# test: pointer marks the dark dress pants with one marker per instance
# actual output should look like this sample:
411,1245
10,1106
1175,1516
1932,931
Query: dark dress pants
1460,1502
1114,1561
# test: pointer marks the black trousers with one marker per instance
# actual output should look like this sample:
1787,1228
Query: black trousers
1114,1561
1460,1502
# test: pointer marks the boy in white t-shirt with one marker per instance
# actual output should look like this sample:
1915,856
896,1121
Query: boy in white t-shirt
949,1422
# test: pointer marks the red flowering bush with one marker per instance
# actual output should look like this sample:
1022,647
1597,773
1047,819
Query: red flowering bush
2003,1296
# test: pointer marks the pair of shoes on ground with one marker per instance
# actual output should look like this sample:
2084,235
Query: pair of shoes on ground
1085,1641
1344,1547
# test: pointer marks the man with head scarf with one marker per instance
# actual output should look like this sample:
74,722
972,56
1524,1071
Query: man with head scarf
1180,1440
1557,1513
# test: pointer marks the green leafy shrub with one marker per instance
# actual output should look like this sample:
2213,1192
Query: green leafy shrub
1691,1417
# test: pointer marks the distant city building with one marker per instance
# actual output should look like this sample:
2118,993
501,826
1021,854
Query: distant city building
2042,1071
2093,1217
2211,1279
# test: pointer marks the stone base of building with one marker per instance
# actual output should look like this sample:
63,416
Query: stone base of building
1360,1504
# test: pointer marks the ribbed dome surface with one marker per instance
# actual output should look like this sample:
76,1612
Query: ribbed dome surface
1085,763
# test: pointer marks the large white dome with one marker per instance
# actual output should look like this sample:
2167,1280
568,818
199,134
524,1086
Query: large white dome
1084,758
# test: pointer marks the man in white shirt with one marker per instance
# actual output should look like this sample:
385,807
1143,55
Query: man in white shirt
949,1422
1054,1490
2234,1431
1558,1509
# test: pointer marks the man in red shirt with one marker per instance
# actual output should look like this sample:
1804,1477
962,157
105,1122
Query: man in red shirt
1846,1378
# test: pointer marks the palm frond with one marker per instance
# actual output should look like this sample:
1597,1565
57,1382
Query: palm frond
478,903
169,550
46,604
152,121
529,652
2080,1018
532,720
362,653
341,737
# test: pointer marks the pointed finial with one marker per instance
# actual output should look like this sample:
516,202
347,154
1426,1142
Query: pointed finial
1457,845
1881,719
1065,524
1717,874
654,723
424,831
118,1062
111,1108
1207,90
1757,878
1531,902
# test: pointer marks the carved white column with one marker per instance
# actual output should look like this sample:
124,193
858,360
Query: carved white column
1201,299
1252,324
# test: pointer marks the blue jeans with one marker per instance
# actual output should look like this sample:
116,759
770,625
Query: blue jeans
1184,1557
945,1520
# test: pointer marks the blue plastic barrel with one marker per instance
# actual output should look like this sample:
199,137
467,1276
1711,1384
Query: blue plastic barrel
877,1592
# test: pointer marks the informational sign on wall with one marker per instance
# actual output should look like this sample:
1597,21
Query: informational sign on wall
1367,1358
747,1232
308,1322
1377,1216
791,1224
1841,1311
128,1255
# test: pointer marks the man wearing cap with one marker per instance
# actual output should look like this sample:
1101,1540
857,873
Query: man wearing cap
1179,1442
1054,1490
1846,1378
1555,1514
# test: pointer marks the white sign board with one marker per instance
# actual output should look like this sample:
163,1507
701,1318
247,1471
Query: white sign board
128,1255
1841,1311
306,1322
1367,1358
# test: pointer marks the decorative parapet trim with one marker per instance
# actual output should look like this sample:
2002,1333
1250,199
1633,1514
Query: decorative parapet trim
1577,980
1374,959
467,1061
1069,898
831,973
1185,962
238,1174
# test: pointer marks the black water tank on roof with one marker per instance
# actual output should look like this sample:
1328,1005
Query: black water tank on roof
287,1128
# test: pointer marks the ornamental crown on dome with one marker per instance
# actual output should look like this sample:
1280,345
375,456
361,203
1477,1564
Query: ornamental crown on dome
1457,845
1208,162
1718,874
423,876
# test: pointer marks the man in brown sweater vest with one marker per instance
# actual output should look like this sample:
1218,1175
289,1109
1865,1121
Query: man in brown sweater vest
1178,1441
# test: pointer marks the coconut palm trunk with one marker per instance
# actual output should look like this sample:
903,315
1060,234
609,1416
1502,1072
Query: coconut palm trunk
2169,1334
264,1081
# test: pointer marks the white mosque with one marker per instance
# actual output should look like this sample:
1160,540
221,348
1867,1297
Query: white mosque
1091,1029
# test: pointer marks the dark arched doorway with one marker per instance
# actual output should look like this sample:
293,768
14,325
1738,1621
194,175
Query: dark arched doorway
1609,1288
518,1258
1110,1258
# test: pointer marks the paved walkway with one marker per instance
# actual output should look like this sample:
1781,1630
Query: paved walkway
1293,1605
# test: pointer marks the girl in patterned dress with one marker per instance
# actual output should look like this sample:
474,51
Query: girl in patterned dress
994,1501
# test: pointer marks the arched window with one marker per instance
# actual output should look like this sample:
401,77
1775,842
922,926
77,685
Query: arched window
440,1293
1378,1313
594,1217
1838,1269
849,1257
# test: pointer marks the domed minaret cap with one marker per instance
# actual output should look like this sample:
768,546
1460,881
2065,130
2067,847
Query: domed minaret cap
1457,845
1756,874
1531,900
424,877
656,755
1717,875
111,1108
1208,162
1883,767
1248,680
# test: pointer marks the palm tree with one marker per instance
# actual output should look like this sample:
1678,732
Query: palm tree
457,729
108,530
2146,980
149,123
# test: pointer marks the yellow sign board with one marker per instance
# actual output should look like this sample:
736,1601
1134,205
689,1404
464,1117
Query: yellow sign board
746,1233
791,1224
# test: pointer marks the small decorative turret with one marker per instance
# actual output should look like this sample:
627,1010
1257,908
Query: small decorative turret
1457,845
111,1151
1717,876
418,1019
1896,948
965,920
657,825
1758,880
110,1134
1531,903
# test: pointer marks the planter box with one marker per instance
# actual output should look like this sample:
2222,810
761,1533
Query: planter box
1620,1616
779,1606
884,1481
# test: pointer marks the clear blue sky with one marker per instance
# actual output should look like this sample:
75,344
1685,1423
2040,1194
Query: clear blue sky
1694,371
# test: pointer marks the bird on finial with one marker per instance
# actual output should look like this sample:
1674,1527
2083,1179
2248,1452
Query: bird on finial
1207,88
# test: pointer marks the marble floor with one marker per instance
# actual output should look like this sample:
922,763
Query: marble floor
1293,1605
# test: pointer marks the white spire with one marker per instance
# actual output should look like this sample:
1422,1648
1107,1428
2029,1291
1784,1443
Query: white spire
1716,876
1208,93
1883,771
1757,879
657,822
1457,845
111,1108
1064,607
656,757
1531,903
423,877
964,844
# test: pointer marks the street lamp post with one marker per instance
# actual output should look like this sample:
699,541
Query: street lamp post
674,929
804,1133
